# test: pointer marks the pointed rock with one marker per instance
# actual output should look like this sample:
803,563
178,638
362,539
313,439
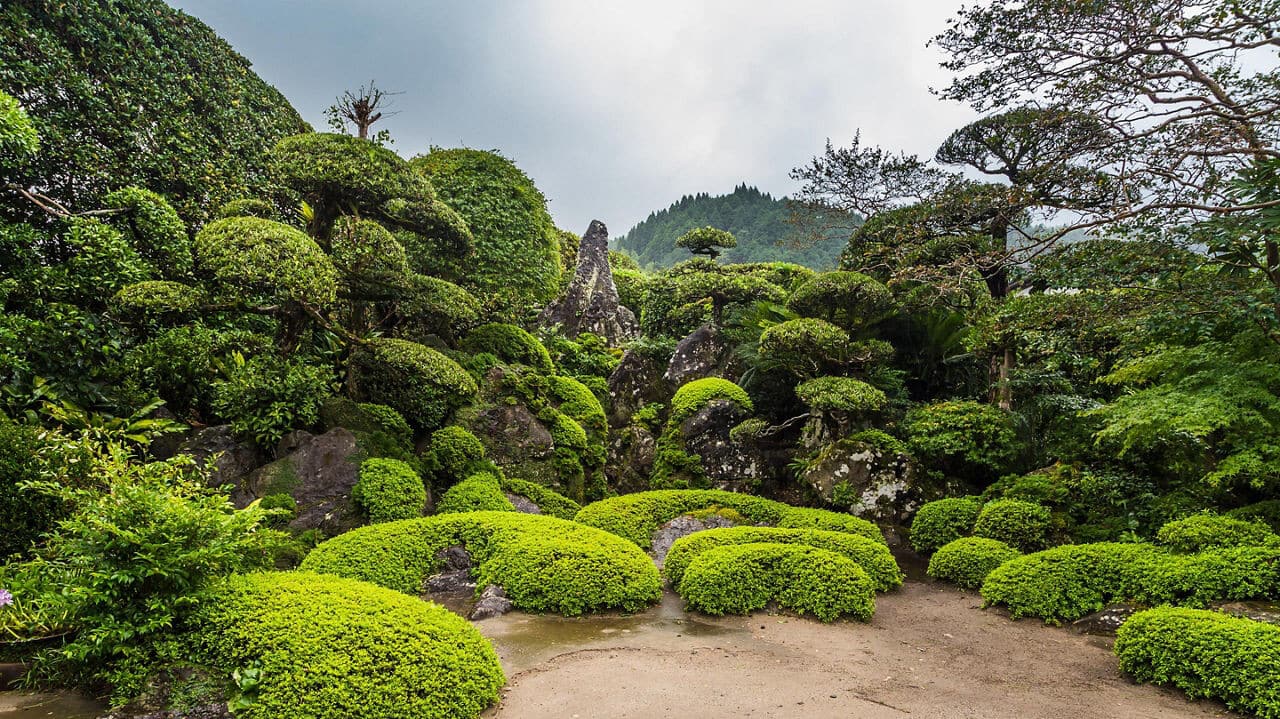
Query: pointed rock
590,304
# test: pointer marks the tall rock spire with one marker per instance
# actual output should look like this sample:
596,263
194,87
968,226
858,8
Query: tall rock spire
590,304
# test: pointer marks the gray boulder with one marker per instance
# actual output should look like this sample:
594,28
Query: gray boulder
728,464
319,475
493,602
699,355
682,526
629,462
232,459
635,382
868,481
590,303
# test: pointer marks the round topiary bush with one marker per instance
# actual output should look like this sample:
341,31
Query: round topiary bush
807,347
327,647
967,440
695,395
154,229
480,492
1067,582
544,563
389,489
636,516
247,207
455,452
156,301
418,382
1210,531
369,259
510,344
250,255
943,521
967,561
742,578
1019,524
1266,511
847,299
874,557
841,394
437,307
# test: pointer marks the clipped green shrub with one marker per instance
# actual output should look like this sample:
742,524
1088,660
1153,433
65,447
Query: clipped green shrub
455,451
549,501
874,557
841,394
1266,511
544,563
509,343
807,347
1210,531
695,395
968,560
847,299
369,259
478,493
325,646
943,521
967,440
25,514
636,516
418,382
437,307
156,301
389,489
247,207
742,578
1019,524
266,259
1205,654
153,228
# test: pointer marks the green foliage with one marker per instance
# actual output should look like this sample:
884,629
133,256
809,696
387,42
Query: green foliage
850,300
266,260
943,521
874,557
454,452
746,430
247,207
1206,654
25,514
19,141
673,467
388,490
265,397
551,503
83,71
700,291
742,578
418,382
580,404
1022,525
371,263
102,263
327,646
967,561
544,563
437,307
633,288
693,396
1209,531
636,516
509,343
1266,511
154,229
841,394
329,169
177,364
156,301
966,440
706,241
807,347
585,355
481,492
517,251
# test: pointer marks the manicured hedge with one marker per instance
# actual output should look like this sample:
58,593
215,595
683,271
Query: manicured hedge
389,489
424,386
967,561
1024,525
1209,531
742,578
510,344
332,647
874,557
943,521
636,516
1205,654
550,502
1068,582
481,492
544,563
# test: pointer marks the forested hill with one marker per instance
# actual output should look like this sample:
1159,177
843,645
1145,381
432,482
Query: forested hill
757,219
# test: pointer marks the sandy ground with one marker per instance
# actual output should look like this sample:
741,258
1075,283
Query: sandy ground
930,652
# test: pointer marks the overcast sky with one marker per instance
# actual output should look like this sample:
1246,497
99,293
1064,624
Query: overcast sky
615,109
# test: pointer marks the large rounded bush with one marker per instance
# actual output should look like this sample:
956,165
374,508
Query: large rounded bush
1266,511
841,394
742,578
847,299
389,489
695,395
1210,531
808,347
480,492
967,561
967,440
874,557
1024,525
510,344
437,307
636,516
331,647
943,521
265,258
156,301
417,381
328,168
544,563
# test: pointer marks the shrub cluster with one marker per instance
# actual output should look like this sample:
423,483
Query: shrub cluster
967,440
1210,531
544,563
510,344
481,492
1266,511
1023,525
742,578
418,382
325,646
636,516
454,452
389,489
1205,654
695,395
967,561
874,557
943,521
841,394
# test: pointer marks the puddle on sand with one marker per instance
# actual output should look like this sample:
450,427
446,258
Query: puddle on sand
526,640
24,705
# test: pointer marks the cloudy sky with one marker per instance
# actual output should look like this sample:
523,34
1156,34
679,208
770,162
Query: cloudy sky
615,109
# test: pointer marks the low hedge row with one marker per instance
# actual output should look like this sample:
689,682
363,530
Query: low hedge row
481,492
1068,582
742,578
874,558
544,563
1211,531
1205,654
967,561
636,516
329,647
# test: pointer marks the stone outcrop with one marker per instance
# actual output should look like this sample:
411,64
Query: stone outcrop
493,602
630,458
319,474
232,459
868,481
699,355
635,382
682,526
590,303
728,464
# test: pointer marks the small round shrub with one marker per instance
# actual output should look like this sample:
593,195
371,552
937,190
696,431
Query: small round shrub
248,207
369,259
155,301
1210,531
154,229
455,451
967,440
1019,524
418,382
389,489
848,299
478,493
1207,655
433,306
327,646
549,501
544,563
967,561
808,347
695,395
806,518
874,557
265,258
706,240
510,344
742,578
841,394
943,521
1266,511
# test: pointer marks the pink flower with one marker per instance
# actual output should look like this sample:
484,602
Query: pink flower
5,598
